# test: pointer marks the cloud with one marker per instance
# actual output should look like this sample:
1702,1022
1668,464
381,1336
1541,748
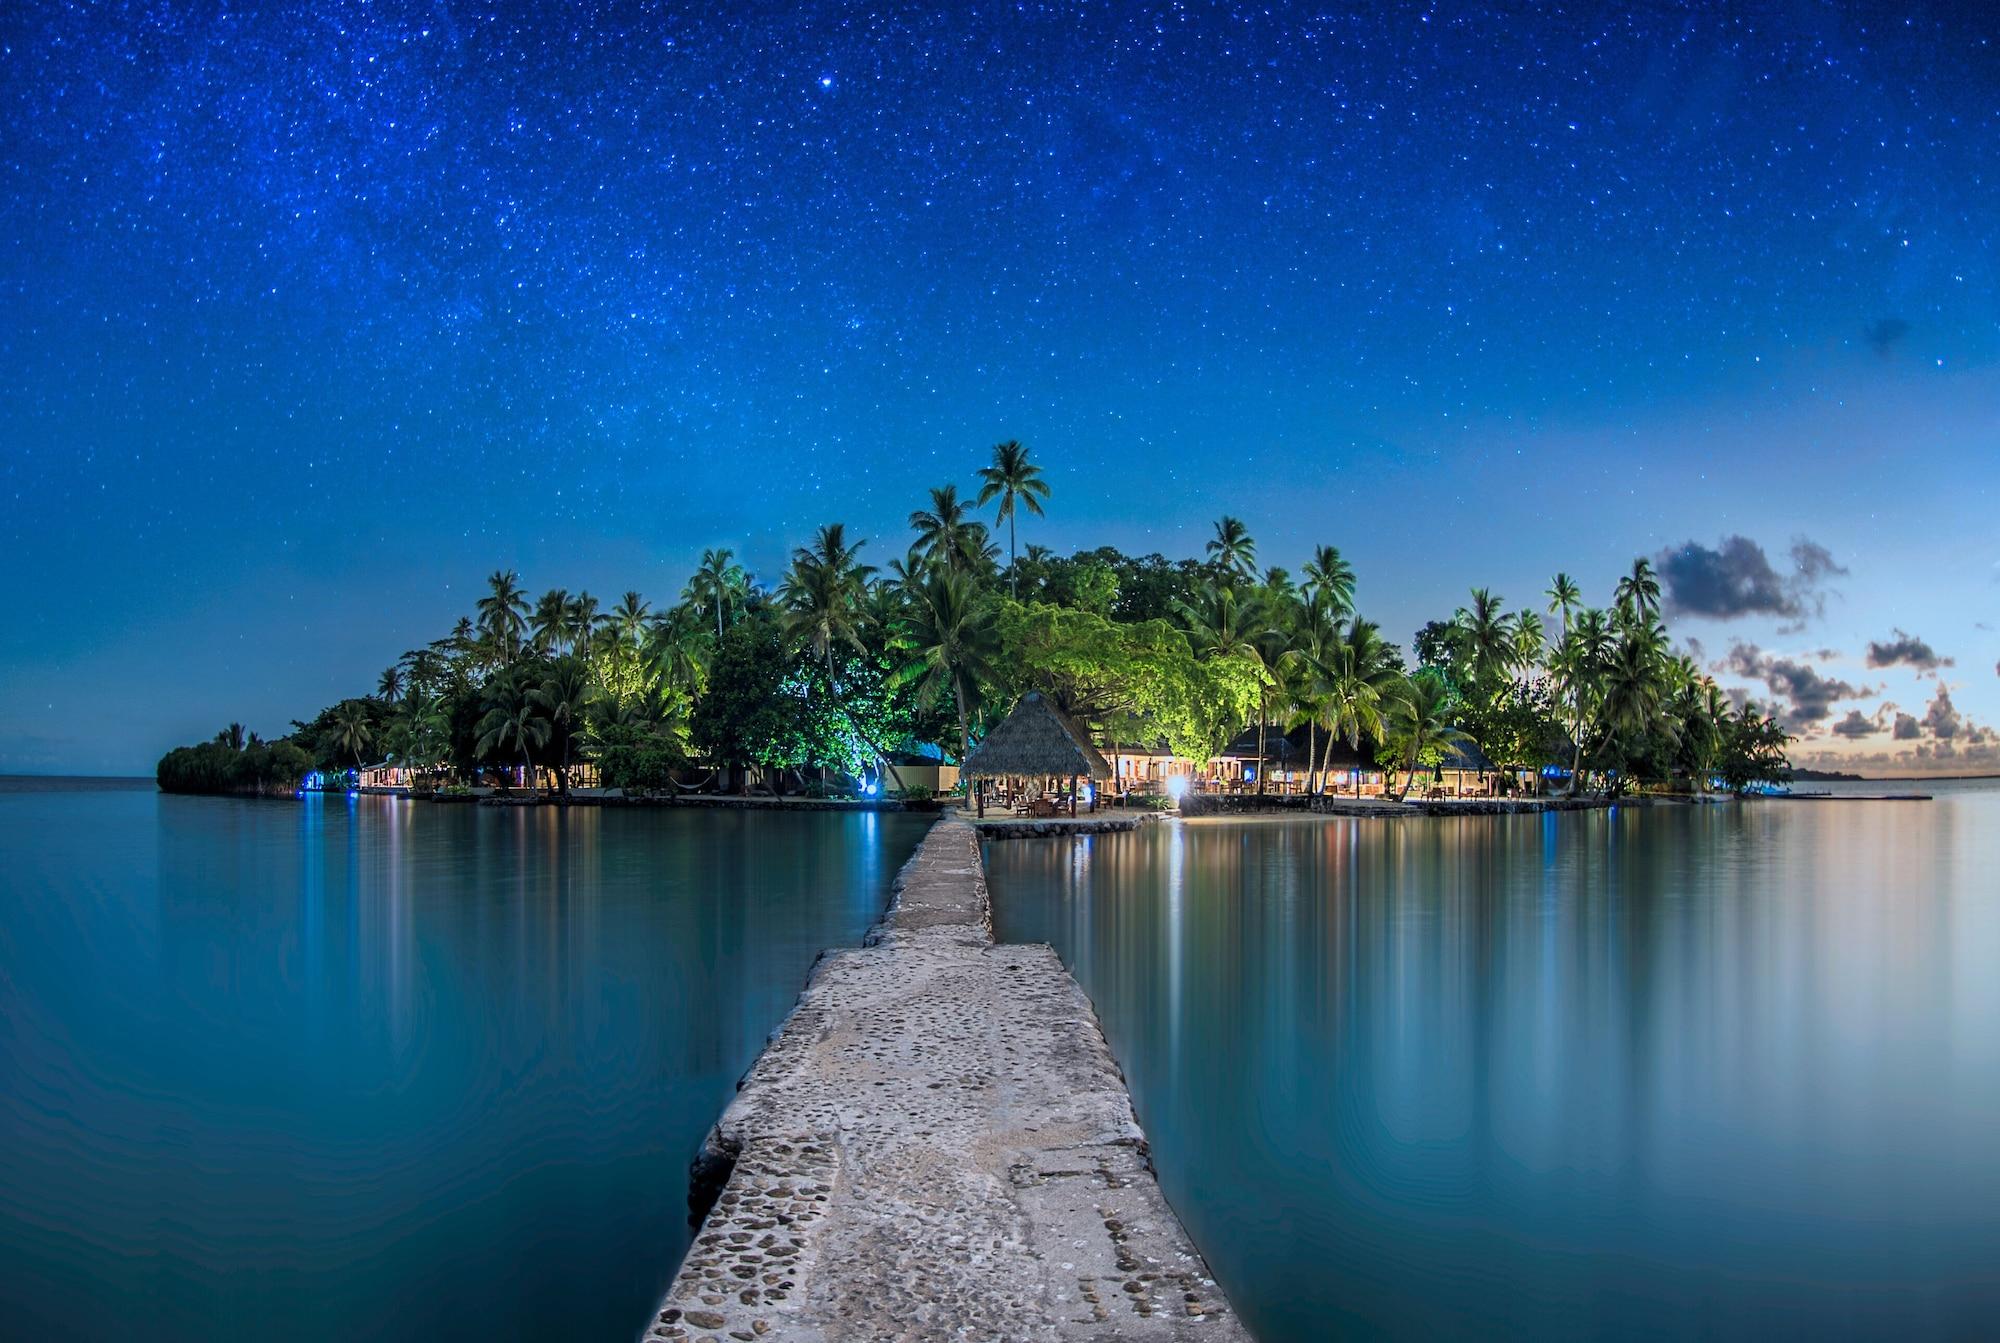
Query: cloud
1905,649
1943,741
1736,578
1854,726
1808,697
1883,333
1941,719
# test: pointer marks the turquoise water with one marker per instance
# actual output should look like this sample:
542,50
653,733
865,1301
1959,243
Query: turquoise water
376,1069
1726,1072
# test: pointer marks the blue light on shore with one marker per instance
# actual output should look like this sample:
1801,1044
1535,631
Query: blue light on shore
1177,786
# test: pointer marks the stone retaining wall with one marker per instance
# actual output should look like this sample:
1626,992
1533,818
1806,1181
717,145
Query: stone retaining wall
1327,804
1048,826
937,1144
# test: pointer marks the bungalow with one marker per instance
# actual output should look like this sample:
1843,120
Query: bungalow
1145,767
915,769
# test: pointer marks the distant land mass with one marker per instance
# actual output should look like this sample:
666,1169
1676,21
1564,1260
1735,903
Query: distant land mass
1823,775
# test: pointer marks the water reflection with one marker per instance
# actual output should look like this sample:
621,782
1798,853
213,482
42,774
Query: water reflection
1726,1070
364,1068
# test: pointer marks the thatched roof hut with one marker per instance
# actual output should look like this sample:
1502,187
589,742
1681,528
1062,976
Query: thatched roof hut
1036,740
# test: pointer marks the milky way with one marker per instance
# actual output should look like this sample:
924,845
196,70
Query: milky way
506,284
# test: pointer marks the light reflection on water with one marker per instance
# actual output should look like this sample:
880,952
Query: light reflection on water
358,1068
1727,1070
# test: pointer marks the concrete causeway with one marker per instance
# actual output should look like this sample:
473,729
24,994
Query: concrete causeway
938,1144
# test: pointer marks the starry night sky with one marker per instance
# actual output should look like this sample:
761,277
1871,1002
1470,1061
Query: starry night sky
313,314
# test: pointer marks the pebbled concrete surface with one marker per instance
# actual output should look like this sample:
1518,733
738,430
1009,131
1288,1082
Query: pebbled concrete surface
938,1144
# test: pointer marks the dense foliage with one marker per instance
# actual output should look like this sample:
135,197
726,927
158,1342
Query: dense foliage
233,763
826,677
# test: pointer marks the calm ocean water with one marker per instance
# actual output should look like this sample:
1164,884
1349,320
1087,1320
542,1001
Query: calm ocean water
376,1069
1721,1072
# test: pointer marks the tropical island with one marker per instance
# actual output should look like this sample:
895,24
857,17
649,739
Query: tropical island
843,677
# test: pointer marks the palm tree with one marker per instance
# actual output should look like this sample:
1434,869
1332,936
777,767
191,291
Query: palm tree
1351,680
1564,597
503,613
1219,623
562,696
822,596
1330,582
513,716
946,536
1017,483
1530,639
233,736
1489,638
389,685
353,732
1312,634
629,618
676,650
716,580
1233,548
1419,721
581,622
822,593
1638,595
949,640
1578,667
1634,692
550,623
1272,616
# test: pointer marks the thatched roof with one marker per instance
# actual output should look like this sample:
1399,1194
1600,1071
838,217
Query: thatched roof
1280,747
1465,755
1036,739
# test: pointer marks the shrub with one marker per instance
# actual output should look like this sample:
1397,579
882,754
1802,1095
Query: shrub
637,759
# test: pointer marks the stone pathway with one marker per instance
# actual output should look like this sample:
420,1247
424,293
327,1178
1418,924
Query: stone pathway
938,1144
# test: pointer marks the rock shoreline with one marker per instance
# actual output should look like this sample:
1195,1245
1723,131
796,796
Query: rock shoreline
1200,805
937,1143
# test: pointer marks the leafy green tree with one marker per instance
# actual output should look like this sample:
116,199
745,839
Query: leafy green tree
1123,678
948,647
638,757
745,718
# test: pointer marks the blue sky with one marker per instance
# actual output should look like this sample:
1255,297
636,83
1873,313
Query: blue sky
313,316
